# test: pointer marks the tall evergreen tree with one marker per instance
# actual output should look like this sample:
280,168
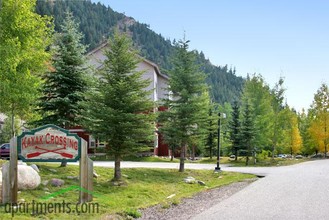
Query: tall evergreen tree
64,85
187,105
235,129
247,131
211,130
257,94
119,110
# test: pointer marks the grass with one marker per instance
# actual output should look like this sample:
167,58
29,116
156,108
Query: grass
241,162
135,158
145,187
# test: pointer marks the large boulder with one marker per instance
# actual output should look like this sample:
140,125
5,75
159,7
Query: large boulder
27,177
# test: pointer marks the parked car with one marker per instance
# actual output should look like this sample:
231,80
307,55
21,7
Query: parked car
299,156
5,150
232,157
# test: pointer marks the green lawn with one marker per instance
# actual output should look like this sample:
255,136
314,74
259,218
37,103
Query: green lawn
135,158
223,160
241,162
145,187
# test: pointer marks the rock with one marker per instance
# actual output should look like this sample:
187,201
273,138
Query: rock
201,183
53,170
45,182
45,189
19,192
172,195
125,176
57,182
47,192
27,177
95,175
21,201
35,167
189,180
72,177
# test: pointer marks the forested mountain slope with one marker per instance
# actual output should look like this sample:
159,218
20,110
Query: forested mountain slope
98,21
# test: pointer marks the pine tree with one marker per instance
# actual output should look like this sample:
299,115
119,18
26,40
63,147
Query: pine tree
235,129
258,95
64,86
187,105
211,130
119,110
247,131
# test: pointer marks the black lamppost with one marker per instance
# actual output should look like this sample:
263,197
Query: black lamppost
217,168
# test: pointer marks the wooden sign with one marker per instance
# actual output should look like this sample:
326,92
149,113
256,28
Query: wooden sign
49,143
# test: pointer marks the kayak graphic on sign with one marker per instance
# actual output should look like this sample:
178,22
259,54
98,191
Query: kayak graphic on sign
49,143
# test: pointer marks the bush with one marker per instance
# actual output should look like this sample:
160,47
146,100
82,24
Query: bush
133,213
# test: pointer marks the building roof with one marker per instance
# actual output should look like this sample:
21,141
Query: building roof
105,45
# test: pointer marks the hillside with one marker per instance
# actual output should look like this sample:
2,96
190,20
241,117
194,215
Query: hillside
98,21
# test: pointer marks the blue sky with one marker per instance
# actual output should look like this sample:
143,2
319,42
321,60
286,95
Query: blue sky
272,38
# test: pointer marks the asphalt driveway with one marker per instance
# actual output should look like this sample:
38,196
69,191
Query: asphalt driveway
294,192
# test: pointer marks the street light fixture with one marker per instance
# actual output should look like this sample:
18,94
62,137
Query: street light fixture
220,115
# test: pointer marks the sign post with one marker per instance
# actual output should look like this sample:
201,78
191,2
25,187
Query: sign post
48,143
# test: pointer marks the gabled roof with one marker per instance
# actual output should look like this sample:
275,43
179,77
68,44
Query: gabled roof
104,45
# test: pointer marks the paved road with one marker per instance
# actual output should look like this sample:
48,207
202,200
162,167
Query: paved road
295,192
261,171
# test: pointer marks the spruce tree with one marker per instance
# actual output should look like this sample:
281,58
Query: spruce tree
247,131
212,127
187,103
235,130
119,110
64,86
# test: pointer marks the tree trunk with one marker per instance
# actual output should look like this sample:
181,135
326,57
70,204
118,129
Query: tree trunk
236,154
117,168
12,123
210,152
193,153
172,155
247,161
182,158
